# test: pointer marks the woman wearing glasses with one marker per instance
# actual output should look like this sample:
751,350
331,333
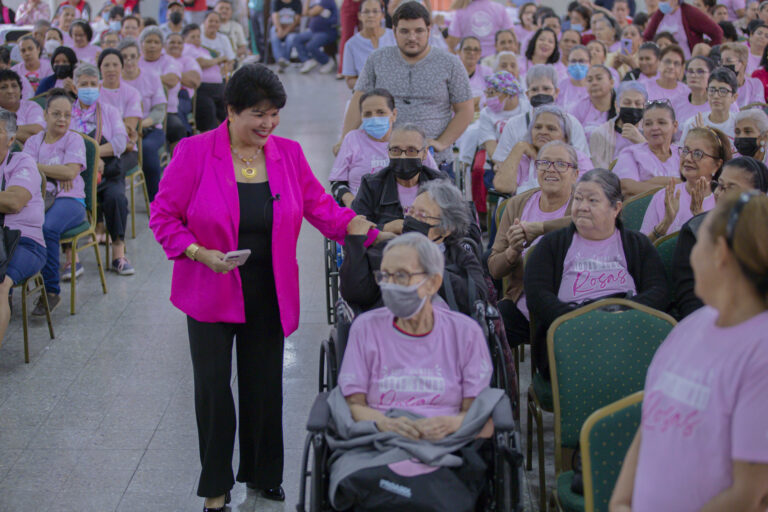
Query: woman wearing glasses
371,37
697,72
703,427
526,217
469,53
642,167
668,84
384,197
722,93
591,259
702,156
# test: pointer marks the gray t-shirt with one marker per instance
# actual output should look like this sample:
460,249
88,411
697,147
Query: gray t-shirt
424,92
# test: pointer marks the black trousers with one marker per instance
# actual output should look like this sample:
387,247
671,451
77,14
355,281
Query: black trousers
175,129
260,393
515,324
211,106
113,206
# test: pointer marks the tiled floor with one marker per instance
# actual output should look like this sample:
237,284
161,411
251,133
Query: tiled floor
102,418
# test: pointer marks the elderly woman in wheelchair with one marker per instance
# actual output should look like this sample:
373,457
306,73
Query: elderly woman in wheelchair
441,214
413,406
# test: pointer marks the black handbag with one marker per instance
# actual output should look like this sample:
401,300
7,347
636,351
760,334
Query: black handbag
10,237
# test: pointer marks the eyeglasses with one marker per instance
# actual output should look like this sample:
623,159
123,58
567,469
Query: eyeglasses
60,115
719,91
469,49
130,57
699,72
410,151
733,220
559,166
696,154
421,215
674,63
370,13
657,103
401,277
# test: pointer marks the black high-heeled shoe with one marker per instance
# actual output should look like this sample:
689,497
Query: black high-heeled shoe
227,500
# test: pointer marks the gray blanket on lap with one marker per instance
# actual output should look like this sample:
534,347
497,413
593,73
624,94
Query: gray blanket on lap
358,445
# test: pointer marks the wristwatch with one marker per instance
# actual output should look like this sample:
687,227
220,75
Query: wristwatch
191,251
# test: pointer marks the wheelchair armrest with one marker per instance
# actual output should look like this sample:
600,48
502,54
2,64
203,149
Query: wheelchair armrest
502,415
320,414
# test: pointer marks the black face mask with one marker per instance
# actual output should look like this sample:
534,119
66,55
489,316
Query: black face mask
732,67
630,115
413,224
405,168
175,17
538,100
746,146
62,71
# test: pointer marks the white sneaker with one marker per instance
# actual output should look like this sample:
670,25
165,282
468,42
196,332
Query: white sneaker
308,66
328,67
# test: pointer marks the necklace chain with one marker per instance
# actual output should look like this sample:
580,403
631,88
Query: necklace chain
248,170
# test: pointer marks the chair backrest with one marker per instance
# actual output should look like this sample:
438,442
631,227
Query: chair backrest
612,164
598,354
89,176
633,212
666,246
605,439
40,99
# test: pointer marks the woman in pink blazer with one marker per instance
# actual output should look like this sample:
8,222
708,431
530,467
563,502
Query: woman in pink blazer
232,188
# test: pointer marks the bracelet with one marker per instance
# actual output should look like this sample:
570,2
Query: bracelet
191,251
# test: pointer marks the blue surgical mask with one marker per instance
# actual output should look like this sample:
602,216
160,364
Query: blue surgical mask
376,127
665,7
578,71
88,95
115,25
578,27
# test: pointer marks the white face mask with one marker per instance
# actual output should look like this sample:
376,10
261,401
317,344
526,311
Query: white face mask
50,46
403,301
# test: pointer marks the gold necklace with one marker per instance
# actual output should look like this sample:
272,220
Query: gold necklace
248,171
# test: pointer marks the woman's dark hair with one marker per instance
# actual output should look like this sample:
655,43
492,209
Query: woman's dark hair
717,140
673,48
149,21
9,74
764,58
379,92
652,47
61,36
754,25
30,37
189,28
381,4
609,182
410,11
252,85
729,31
640,19
585,13
69,53
614,25
542,12
611,111
724,75
757,169
660,104
55,94
665,35
506,31
5,55
110,51
706,60
529,51
116,11
465,39
83,25
552,15
130,17
522,10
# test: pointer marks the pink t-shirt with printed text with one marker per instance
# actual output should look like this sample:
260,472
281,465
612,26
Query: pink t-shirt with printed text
70,149
126,99
428,375
594,269
656,209
482,19
702,410
34,76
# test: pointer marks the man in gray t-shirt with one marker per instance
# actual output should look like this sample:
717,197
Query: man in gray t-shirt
430,86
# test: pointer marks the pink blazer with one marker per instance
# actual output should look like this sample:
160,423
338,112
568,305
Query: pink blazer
198,203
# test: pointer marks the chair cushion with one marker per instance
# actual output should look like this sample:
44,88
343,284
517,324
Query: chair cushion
569,500
543,390
76,230
132,171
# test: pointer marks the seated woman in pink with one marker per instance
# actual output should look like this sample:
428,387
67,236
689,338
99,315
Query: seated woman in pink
60,156
125,98
701,444
469,53
82,34
412,354
29,115
642,167
364,151
517,173
623,129
573,90
668,85
32,67
21,202
191,76
702,156
601,104
541,49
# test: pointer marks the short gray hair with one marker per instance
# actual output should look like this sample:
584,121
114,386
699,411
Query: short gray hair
8,119
83,68
560,144
540,71
152,30
632,85
556,111
608,181
411,127
755,115
430,256
128,42
454,210
42,23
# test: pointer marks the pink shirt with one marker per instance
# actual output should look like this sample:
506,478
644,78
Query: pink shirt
702,410
523,36
360,155
30,113
589,116
477,80
89,53
655,212
126,99
210,75
673,23
594,269
22,171
751,92
151,89
637,162
677,96
407,195
562,71
27,91
482,19
428,375
70,149
753,63
163,66
687,110
34,77
570,95
187,63
112,127
732,5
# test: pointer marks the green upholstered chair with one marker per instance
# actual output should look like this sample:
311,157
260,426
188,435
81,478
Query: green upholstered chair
598,354
666,246
135,178
633,212
29,287
40,99
539,402
86,230
605,439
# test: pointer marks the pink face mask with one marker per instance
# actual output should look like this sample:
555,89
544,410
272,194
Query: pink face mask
495,104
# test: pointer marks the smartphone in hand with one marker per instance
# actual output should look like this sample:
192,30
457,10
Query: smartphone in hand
238,257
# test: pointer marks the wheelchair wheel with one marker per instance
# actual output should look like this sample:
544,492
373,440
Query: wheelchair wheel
328,367
330,253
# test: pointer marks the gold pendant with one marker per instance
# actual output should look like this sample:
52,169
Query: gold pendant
249,172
